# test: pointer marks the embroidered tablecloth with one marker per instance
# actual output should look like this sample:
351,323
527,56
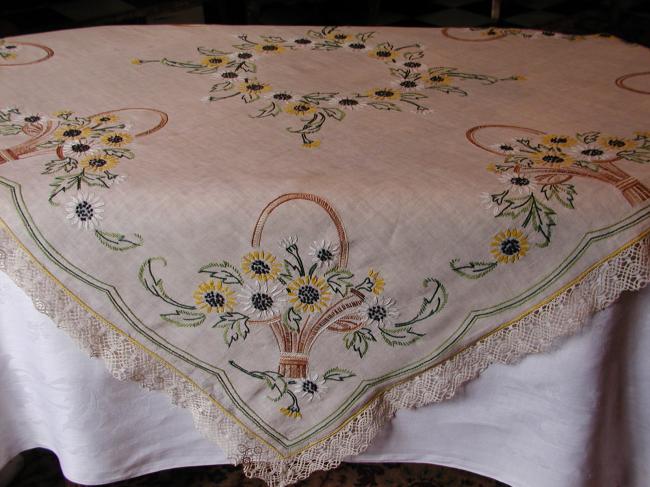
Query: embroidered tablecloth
297,231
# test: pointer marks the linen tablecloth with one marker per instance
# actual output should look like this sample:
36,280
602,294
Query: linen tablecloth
297,231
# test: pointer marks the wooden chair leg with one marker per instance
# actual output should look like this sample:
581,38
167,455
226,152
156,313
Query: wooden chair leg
496,10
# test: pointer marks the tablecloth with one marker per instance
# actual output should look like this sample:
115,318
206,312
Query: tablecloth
296,232
576,416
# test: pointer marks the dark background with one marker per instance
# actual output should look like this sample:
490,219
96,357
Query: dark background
629,19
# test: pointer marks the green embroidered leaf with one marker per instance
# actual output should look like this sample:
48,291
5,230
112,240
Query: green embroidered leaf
537,215
413,55
312,126
118,241
366,285
563,193
223,271
10,129
327,46
235,327
448,89
155,285
413,96
61,184
286,276
400,336
338,374
273,380
273,39
499,198
66,164
641,156
588,137
430,305
211,52
5,115
291,319
250,97
225,86
339,281
315,34
384,46
364,36
203,70
472,270
588,165
317,97
270,110
117,152
184,318
383,105
177,64
358,340
335,113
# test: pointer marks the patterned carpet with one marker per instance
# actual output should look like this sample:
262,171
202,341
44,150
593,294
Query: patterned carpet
41,469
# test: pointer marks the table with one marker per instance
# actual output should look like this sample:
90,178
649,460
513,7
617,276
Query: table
418,210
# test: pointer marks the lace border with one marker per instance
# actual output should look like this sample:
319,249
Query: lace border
629,270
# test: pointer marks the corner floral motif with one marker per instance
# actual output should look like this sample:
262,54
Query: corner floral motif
89,152
22,53
298,301
536,176
236,68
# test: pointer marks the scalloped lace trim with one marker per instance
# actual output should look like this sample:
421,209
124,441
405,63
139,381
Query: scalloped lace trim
536,332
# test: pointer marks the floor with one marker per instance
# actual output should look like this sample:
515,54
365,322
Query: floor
41,469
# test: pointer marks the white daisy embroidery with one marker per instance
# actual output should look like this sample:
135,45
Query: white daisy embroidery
518,182
311,387
324,253
590,152
78,148
287,242
262,300
379,310
346,102
85,211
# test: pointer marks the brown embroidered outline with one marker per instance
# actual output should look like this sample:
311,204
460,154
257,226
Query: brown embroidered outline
620,82
48,54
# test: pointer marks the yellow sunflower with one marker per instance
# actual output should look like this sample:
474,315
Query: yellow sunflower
383,54
72,132
213,61
438,80
270,48
617,144
99,162
558,140
214,296
63,113
552,158
136,61
116,139
292,412
377,282
260,265
384,94
253,87
309,294
339,37
299,108
106,118
509,246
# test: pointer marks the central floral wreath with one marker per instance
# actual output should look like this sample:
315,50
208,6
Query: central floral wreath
237,73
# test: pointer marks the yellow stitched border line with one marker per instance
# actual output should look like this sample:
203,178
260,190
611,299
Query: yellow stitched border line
374,397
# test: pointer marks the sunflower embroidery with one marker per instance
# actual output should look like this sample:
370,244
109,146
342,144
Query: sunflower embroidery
339,37
99,162
106,118
383,53
558,141
309,294
378,282
72,132
509,246
85,211
253,87
214,296
213,61
116,139
261,266
613,143
299,108
438,80
552,158
270,48
292,411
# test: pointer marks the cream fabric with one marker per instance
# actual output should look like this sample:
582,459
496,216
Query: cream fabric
297,231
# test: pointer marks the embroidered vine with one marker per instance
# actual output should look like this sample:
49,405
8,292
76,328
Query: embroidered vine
237,69
537,173
298,299
483,34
